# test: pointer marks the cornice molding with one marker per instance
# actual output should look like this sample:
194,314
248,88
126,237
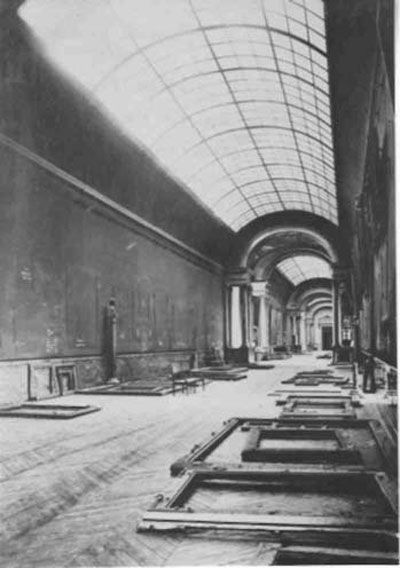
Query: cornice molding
106,204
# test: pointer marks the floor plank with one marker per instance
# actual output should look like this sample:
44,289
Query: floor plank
72,492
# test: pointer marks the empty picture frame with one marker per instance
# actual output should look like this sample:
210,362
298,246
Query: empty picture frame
139,387
332,394
313,556
41,381
343,508
66,378
317,407
51,411
305,445
223,449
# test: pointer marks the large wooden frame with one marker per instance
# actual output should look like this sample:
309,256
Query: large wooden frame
376,533
52,411
317,397
66,378
220,373
40,382
128,391
196,459
253,452
317,407
146,387
284,392
312,556
316,380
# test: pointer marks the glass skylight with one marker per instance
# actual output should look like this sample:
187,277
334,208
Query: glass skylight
231,96
299,268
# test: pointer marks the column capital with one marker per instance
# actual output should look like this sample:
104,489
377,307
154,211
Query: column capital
238,277
260,288
292,312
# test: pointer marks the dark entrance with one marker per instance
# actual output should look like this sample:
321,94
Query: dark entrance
326,337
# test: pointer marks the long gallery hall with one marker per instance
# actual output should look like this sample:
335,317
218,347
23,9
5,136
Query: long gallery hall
198,352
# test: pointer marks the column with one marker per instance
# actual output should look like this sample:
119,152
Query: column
268,310
245,315
303,340
236,329
228,312
309,338
110,344
263,323
335,301
259,290
238,335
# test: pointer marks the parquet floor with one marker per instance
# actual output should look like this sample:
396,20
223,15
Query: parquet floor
72,492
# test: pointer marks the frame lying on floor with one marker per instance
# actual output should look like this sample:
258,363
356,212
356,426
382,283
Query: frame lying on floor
315,380
306,391
260,366
361,530
53,411
198,457
337,453
221,373
317,407
146,387
312,556
318,397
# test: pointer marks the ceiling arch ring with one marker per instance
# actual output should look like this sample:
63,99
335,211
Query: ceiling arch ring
308,303
263,235
317,302
307,296
323,313
309,287
327,307
317,309
264,270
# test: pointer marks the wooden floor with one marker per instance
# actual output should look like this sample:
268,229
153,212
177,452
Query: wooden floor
73,491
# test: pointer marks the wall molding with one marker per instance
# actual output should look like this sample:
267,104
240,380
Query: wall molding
57,358
114,209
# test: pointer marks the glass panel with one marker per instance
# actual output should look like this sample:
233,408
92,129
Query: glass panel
236,109
299,268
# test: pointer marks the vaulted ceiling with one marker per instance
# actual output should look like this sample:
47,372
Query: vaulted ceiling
230,96
300,268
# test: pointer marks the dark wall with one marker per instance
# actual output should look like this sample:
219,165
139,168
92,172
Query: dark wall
62,255
45,112
352,50
374,249
360,43
61,262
